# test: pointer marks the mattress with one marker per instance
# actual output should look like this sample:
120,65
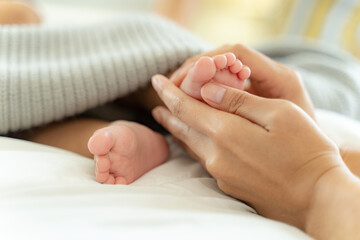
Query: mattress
49,193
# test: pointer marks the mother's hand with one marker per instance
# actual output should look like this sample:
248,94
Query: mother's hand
268,79
266,152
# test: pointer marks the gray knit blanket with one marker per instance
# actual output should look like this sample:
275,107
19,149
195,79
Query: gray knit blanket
331,75
48,74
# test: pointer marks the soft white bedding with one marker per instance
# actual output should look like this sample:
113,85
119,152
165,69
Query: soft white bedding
47,193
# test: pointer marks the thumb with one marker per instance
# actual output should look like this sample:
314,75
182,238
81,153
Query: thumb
231,100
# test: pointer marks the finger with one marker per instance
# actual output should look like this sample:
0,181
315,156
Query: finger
238,102
262,67
192,112
189,151
196,142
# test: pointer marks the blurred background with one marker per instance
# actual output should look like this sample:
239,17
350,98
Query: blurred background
227,21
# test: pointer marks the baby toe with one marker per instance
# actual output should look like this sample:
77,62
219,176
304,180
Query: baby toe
121,180
236,67
102,163
110,180
101,142
204,69
244,73
220,61
102,177
231,58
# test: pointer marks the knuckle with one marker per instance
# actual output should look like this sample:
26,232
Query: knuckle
236,101
288,107
297,78
192,59
189,61
181,133
285,104
238,48
226,47
291,73
217,164
219,133
174,102
213,167
224,187
177,107
284,111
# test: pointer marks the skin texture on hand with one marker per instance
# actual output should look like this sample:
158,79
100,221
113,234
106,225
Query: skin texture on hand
351,157
266,152
268,78
272,155
272,80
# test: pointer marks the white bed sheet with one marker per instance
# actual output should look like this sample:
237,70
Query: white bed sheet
47,193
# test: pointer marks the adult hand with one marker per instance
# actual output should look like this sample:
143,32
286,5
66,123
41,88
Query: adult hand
266,152
268,78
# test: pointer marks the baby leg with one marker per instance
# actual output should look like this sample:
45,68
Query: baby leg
71,135
123,151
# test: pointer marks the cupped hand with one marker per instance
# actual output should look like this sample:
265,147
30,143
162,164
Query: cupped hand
268,79
266,152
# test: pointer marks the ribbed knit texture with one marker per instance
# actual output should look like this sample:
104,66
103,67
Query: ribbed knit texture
47,74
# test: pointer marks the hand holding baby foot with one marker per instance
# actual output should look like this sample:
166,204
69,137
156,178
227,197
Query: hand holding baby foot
224,68
268,78
225,138
124,151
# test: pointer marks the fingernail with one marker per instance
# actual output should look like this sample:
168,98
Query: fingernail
156,114
156,82
213,92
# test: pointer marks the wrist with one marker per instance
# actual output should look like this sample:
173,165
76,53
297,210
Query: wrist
334,201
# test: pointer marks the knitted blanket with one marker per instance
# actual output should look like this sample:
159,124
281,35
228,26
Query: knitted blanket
48,74
331,75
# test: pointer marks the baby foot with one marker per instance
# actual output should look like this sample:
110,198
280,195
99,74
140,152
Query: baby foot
225,69
125,150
